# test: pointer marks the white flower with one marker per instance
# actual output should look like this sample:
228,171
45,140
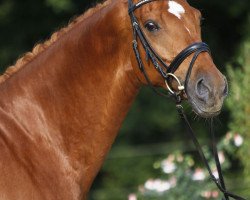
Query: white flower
215,173
160,185
198,175
221,157
132,197
210,194
238,140
168,166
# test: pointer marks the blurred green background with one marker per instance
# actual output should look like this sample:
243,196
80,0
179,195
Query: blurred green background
152,130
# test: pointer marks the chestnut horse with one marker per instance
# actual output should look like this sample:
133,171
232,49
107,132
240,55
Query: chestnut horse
62,104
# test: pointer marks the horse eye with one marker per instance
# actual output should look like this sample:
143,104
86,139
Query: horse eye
151,26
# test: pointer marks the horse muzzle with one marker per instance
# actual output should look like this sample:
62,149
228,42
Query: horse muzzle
206,95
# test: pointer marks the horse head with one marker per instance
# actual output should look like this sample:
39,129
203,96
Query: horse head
169,27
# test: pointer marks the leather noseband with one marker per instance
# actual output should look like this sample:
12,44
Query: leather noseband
165,71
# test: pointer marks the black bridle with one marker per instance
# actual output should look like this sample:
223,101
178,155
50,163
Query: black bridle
167,72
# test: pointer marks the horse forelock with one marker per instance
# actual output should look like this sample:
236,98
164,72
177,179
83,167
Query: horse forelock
41,47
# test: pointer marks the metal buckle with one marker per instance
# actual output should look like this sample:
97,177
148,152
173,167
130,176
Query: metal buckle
135,24
180,86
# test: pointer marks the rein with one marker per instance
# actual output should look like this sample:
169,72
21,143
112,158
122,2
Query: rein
167,73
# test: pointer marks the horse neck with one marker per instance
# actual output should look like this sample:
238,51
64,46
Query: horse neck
80,89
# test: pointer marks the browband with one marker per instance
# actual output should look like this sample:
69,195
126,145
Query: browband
133,7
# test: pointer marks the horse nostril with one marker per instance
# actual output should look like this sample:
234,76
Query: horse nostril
202,90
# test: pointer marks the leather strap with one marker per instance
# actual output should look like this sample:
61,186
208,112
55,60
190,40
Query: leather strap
133,7
157,61
219,183
196,47
159,64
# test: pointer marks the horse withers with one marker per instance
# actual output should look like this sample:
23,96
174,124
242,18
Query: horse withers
62,104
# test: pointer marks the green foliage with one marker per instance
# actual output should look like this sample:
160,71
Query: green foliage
238,103
60,5
148,115
5,9
224,27
121,177
185,179
25,23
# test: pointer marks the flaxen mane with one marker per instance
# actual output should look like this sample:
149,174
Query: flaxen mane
39,48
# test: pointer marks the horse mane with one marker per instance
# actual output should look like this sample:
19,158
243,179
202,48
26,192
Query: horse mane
41,47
